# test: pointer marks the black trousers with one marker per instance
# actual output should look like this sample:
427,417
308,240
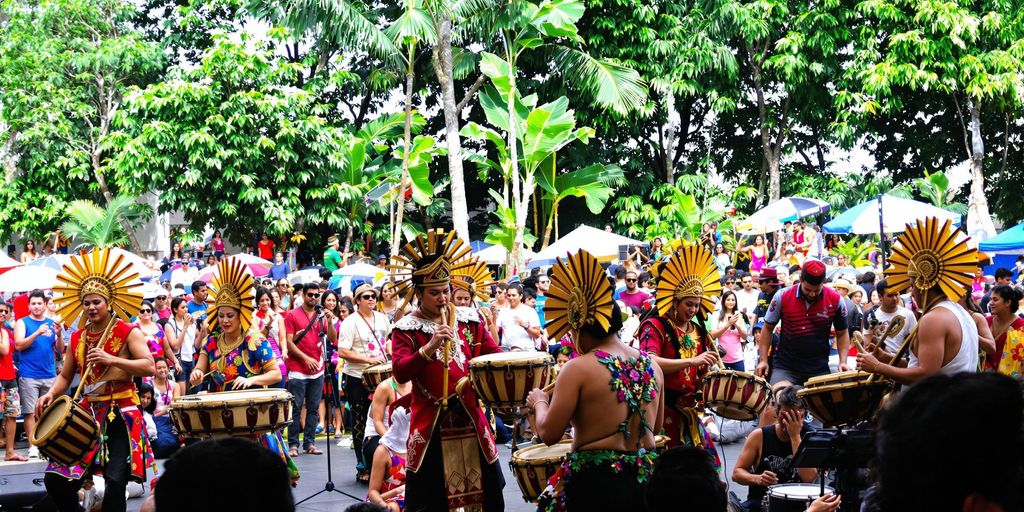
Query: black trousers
425,489
64,492
358,399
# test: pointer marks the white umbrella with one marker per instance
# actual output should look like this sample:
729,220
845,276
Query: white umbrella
774,216
142,266
150,290
602,244
27,278
497,255
249,259
309,275
7,261
896,214
360,269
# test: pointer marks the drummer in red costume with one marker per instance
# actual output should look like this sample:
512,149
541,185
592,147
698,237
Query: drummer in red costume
678,341
99,286
452,461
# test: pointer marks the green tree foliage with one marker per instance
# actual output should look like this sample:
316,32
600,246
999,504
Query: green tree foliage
90,225
64,68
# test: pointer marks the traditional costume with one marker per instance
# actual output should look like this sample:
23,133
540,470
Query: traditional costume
933,256
250,355
689,272
580,294
123,451
451,458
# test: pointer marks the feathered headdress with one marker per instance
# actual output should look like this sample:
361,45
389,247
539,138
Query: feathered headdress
232,286
930,254
472,275
580,294
426,262
95,273
690,272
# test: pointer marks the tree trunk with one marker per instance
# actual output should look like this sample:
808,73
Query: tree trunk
396,236
348,240
673,128
979,221
550,225
443,69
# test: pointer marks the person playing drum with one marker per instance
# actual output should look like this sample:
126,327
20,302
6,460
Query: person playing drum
235,355
108,352
452,461
936,264
677,340
614,420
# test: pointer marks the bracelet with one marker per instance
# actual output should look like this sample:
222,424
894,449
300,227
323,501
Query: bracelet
424,355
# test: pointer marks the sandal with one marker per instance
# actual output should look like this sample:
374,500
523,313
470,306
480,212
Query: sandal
313,451
15,458
363,476
293,452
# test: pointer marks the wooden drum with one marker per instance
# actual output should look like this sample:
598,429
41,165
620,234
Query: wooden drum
504,379
736,395
844,398
244,412
374,375
533,466
66,432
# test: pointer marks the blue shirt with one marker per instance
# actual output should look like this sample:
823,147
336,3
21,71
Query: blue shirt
197,310
279,271
37,361
541,299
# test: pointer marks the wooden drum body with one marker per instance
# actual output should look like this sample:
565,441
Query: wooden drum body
244,412
66,432
844,398
533,466
504,379
374,375
736,395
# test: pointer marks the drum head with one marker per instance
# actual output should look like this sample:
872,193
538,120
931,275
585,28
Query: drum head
797,492
833,378
378,368
502,358
241,396
732,411
543,453
51,419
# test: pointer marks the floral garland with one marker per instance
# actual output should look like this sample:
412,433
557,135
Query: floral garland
633,381
554,498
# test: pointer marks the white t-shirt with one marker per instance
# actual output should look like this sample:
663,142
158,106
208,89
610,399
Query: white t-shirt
356,335
188,349
892,343
745,300
183,277
513,336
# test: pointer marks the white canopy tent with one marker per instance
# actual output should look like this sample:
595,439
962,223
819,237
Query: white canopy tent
602,244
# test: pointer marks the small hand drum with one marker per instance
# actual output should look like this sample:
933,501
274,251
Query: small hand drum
533,466
66,432
504,379
736,395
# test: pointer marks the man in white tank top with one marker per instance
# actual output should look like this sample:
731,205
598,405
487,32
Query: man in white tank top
933,260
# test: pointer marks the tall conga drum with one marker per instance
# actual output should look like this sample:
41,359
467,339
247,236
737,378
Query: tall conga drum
504,379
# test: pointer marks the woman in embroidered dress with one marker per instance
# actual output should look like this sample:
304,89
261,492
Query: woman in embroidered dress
387,478
611,394
235,355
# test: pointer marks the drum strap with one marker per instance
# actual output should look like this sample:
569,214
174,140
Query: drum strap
120,395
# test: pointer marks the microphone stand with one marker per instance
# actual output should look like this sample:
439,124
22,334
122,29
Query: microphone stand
329,406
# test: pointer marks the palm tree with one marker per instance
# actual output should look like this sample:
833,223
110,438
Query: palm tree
595,183
93,226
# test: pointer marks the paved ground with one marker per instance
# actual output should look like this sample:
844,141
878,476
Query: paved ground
314,476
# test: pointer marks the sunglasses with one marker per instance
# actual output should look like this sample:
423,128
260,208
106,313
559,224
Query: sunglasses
544,281
145,311
312,295
368,297
630,280
730,282
161,297
4,312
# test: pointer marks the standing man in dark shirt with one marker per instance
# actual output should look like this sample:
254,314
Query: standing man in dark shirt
808,311
767,455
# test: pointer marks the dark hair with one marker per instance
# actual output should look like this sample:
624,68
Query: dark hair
929,414
197,285
1009,294
597,332
176,303
366,507
685,471
305,287
881,287
529,293
787,397
149,303
347,302
868,277
337,301
643,278
145,387
37,294
793,269
260,292
620,272
735,308
1003,273
219,460
517,287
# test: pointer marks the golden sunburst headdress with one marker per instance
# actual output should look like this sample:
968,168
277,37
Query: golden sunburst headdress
690,272
426,262
232,286
930,254
472,275
580,294
95,273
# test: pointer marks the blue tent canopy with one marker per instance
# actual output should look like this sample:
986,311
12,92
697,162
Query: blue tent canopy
1010,241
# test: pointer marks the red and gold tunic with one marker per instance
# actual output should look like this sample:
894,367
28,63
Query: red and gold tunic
661,337
104,399
427,416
